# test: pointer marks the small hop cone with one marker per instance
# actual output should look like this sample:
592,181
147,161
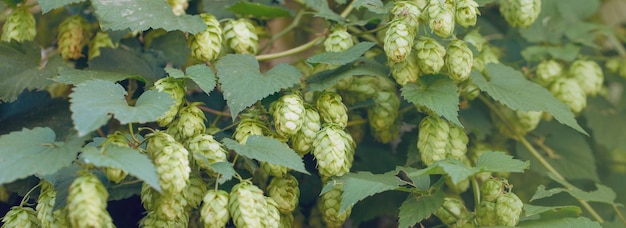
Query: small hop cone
190,123
469,90
244,204
302,141
100,40
178,6
486,214
240,36
172,207
87,202
196,188
492,189
520,13
589,76
22,217
72,37
207,45
459,60
152,219
363,88
508,209
440,17
406,71
459,187
285,192
398,40
334,151
45,204
450,210
289,114
174,87
214,212
205,148
338,40
115,175
246,128
430,55
457,143
171,161
383,114
20,26
521,122
568,91
548,71
329,204
407,11
432,140
272,219
148,197
466,12
332,110
486,56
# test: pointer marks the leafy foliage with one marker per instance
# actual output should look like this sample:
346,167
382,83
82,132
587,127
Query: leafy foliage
258,10
341,58
48,5
414,210
438,94
268,150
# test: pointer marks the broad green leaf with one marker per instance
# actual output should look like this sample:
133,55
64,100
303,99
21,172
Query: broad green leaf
416,174
47,5
124,158
130,62
575,10
437,93
218,8
174,73
509,87
243,84
344,57
375,6
62,179
360,185
607,123
203,76
95,101
567,53
549,27
225,169
258,10
601,194
73,76
553,212
455,169
414,210
143,15
268,150
326,79
173,47
22,69
580,222
323,10
500,162
35,152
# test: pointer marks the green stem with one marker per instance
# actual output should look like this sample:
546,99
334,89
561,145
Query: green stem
618,45
292,51
294,24
619,214
364,35
347,10
132,133
27,196
476,190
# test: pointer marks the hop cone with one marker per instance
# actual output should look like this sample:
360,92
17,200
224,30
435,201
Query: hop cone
153,219
207,45
588,74
384,112
118,139
432,140
405,71
22,217
407,11
469,90
459,187
100,40
87,202
508,209
171,161
520,13
288,221
196,188
492,189
459,60
245,203
466,12
302,141
272,219
548,71
285,192
486,214
398,40
329,204
148,197
430,55
486,56
19,26
334,151
338,40
274,170
190,123
72,37
332,110
440,17
519,122
45,204
450,210
363,88
385,135
289,114
175,88
457,143
214,212
474,38
240,35
172,207
178,6
204,146
569,92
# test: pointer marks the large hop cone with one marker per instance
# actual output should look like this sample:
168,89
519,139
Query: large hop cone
247,205
338,40
520,13
87,202
190,123
457,143
588,74
302,141
432,140
459,60
568,91
171,161
440,17
405,71
240,36
174,87
332,110
72,37
205,148
383,114
285,192
248,127
398,40
548,71
100,40
334,151
19,26
215,212
172,207
288,114
407,11
207,45
22,217
430,55
451,210
329,204
466,12
508,209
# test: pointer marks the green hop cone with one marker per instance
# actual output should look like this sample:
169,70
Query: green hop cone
288,221
383,114
148,197
206,46
363,88
20,26
45,204
440,17
457,143
450,210
153,219
517,122
214,212
407,11
432,140
520,13
459,187
338,40
492,188
196,188
548,71
117,139
274,170
171,161
22,217
174,87
459,60
172,207
190,123
474,38
398,40
486,214
568,91
406,71
302,141
72,37
178,6
87,202
487,55
246,128
469,90
246,204
334,151
289,114
100,40
203,148
285,192
588,74
240,36
466,12
329,204
332,110
430,55
272,219
508,209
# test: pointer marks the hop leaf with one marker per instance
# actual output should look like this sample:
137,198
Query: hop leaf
430,55
19,26
240,36
207,45
520,13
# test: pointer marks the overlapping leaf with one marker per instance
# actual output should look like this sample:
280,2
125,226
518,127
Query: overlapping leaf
74,76
47,5
203,76
225,169
269,150
414,210
344,57
326,79
437,93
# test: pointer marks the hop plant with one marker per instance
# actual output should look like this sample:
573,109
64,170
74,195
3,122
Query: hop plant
246,205
214,212
19,26
459,60
588,74
332,110
451,210
240,36
466,12
569,92
152,219
405,71
492,188
288,114
486,214
178,6
383,114
272,219
100,40
171,161
174,87
18,216
274,170
333,150
246,128
548,71
87,202
329,204
457,143
196,188
338,40
398,40
118,139
72,37
45,204
172,207
302,141
204,146
430,55
440,17
285,192
486,56
432,140
206,46
508,209
517,122
520,13
190,123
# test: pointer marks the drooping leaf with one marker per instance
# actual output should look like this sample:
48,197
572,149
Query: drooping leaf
35,152
47,5
124,158
437,93
143,15
607,123
203,76
323,10
225,169
509,87
258,10
244,84
500,162
455,169
602,193
95,101
173,46
174,73
567,53
360,185
268,150
375,6
554,212
146,64
218,8
344,57
580,222
74,76
326,79
414,210
549,27
542,192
